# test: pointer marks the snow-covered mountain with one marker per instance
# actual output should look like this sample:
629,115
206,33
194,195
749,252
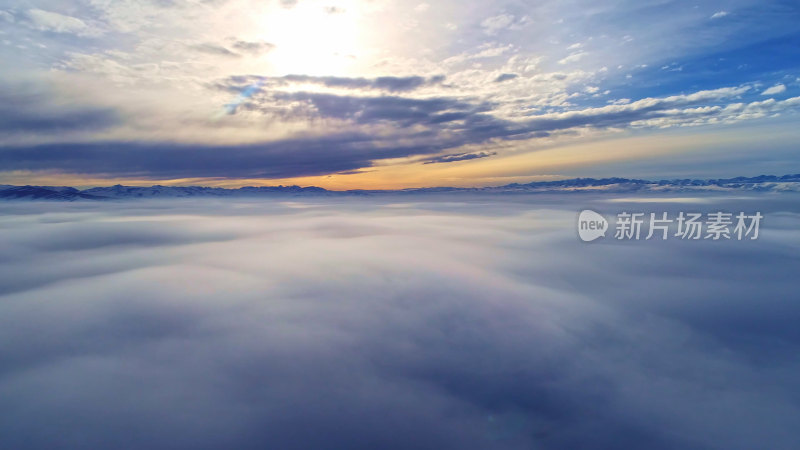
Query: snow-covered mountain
763,183
43,193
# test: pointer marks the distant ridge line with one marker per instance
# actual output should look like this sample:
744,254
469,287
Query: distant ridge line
765,183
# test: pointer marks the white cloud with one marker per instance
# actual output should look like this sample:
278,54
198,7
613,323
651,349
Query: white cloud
59,23
484,51
777,89
422,7
574,57
6,16
719,14
494,24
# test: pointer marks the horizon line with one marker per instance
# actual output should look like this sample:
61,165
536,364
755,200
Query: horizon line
600,181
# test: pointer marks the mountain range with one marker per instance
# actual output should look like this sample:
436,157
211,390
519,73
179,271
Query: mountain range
762,183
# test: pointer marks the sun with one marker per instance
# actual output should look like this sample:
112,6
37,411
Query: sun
312,38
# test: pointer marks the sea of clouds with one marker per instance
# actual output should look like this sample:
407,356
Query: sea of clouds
394,322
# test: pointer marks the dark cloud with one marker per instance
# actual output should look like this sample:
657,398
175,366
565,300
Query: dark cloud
286,158
475,121
391,84
363,323
214,49
353,172
24,110
403,111
449,122
459,157
253,47
505,77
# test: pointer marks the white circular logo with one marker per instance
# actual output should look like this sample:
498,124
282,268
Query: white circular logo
591,225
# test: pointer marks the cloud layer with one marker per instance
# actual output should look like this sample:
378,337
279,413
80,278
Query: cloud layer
370,323
376,128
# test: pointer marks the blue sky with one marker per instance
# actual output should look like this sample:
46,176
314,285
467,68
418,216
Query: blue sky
348,94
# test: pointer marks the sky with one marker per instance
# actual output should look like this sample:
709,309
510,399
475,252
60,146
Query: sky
349,94
395,322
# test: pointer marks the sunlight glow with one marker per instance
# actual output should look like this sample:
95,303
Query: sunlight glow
312,38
